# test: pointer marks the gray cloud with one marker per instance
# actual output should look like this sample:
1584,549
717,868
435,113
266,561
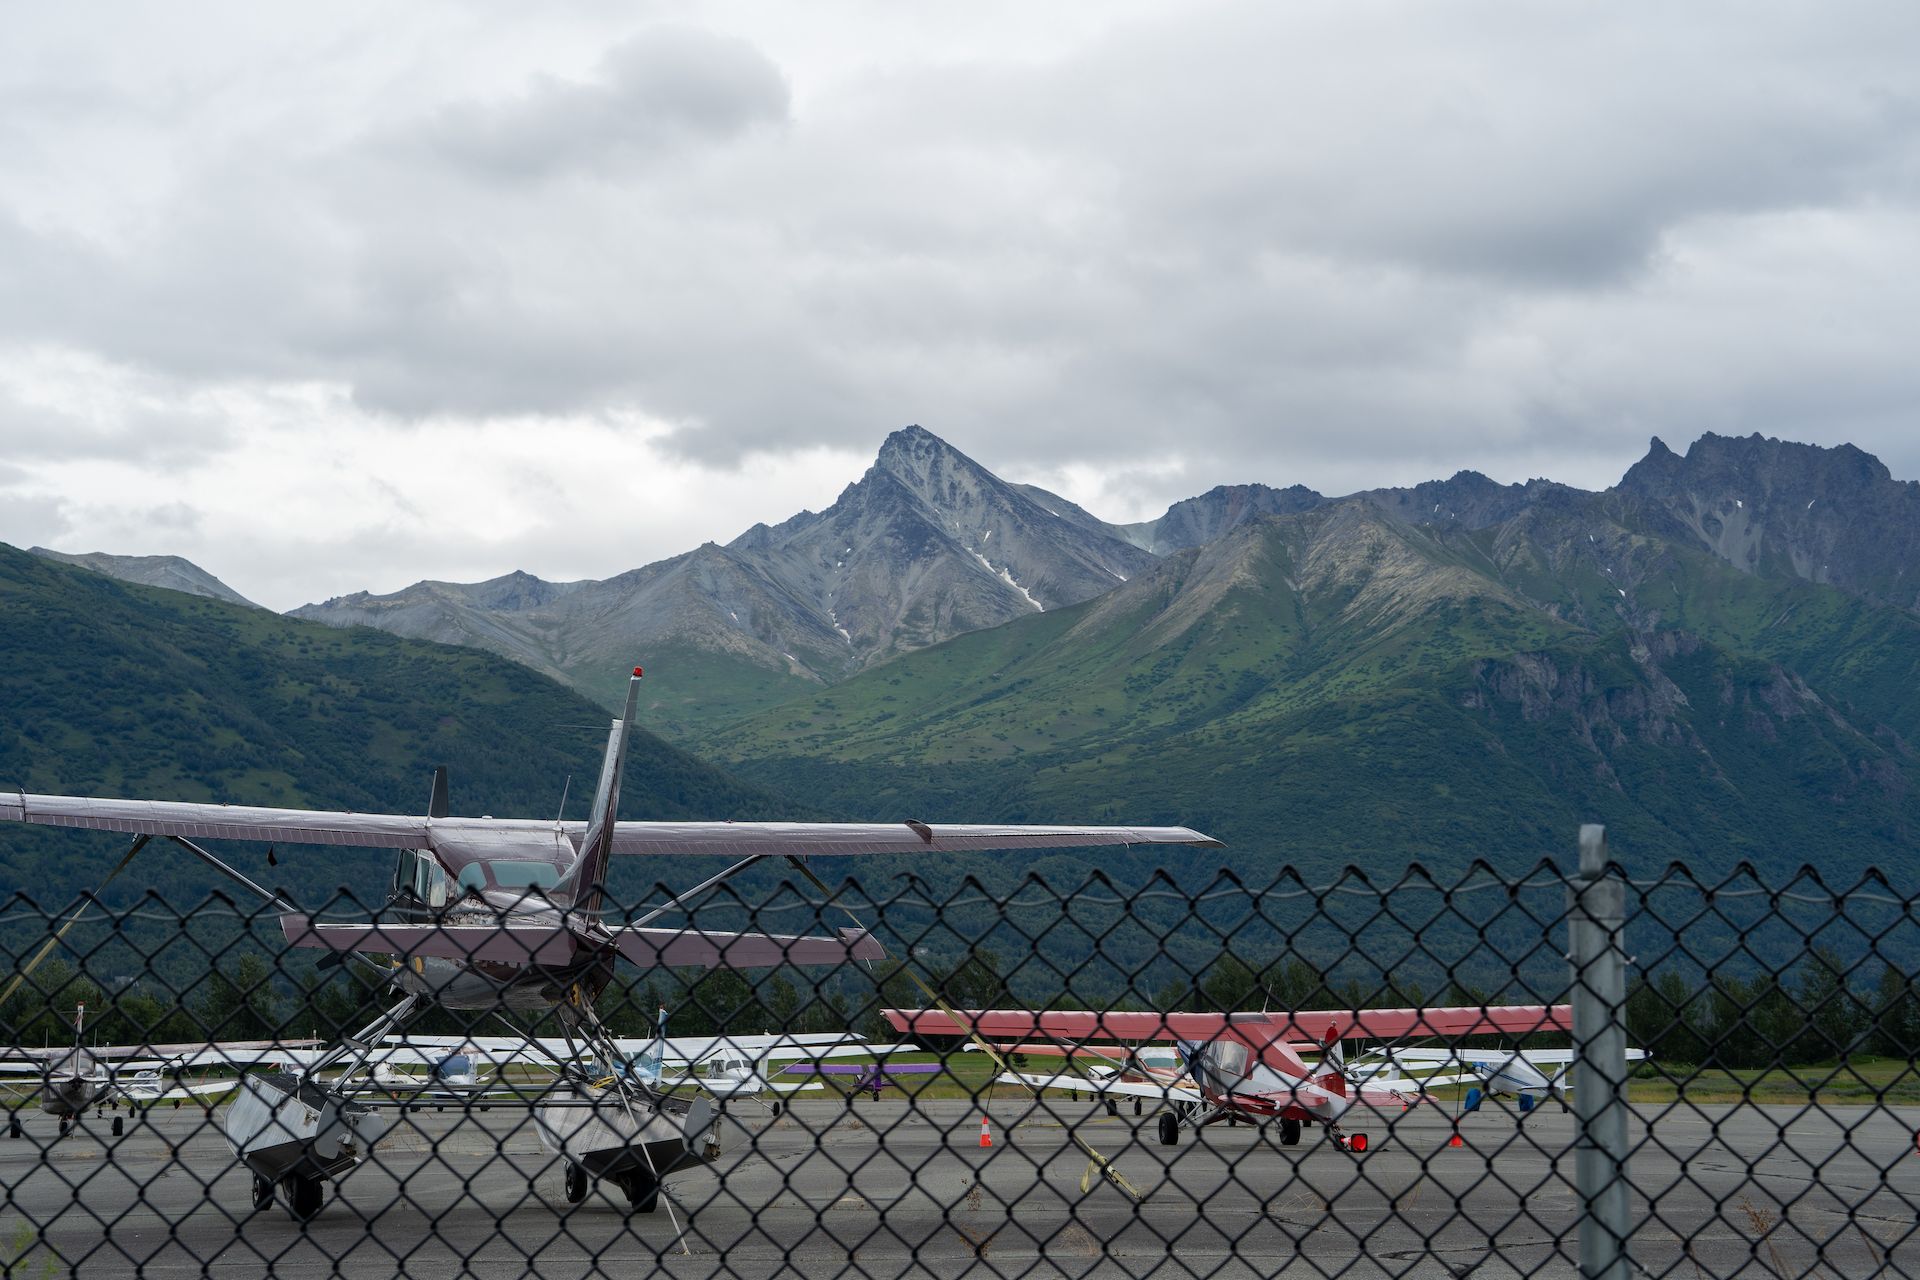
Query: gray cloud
1355,245
656,93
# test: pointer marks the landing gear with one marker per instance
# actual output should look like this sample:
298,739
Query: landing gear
1113,1108
1169,1130
304,1194
66,1125
262,1193
1289,1133
776,1108
643,1192
576,1183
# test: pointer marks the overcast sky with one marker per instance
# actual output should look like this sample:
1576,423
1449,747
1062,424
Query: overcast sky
342,296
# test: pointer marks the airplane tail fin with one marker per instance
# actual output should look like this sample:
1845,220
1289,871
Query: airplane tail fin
589,870
438,802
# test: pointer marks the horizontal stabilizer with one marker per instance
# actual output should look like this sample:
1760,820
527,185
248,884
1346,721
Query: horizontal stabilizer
673,947
541,946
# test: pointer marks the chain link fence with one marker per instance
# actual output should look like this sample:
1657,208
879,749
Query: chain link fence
1600,1072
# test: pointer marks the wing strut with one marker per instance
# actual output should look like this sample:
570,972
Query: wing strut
72,920
267,896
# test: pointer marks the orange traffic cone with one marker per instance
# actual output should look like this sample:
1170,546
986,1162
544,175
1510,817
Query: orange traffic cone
986,1134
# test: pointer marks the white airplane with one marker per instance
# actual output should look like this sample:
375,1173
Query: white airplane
1531,1076
724,1066
504,916
72,1081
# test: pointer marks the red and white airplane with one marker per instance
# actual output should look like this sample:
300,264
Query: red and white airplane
1236,1065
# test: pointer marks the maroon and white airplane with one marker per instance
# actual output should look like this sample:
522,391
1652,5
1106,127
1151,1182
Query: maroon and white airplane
1236,1065
510,915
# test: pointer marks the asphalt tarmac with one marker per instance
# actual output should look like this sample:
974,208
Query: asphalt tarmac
884,1190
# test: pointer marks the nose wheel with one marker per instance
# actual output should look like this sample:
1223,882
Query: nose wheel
1169,1130
576,1183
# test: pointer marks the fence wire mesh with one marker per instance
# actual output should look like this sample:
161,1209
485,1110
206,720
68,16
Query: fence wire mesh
1369,1076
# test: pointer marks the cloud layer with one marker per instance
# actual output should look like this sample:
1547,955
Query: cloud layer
283,273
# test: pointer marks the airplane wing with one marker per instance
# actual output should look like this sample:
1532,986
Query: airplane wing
404,831
1494,1057
806,839
758,1045
181,1090
856,1069
1382,1024
164,1055
1104,1088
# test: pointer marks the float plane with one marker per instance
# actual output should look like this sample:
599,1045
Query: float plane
509,915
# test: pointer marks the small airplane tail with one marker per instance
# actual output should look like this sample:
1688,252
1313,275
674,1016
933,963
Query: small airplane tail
1332,1075
586,877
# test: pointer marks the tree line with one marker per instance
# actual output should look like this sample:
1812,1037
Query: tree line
1821,1012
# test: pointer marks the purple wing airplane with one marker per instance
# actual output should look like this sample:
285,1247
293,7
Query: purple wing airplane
870,1077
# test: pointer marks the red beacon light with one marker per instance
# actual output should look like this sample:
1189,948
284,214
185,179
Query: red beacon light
637,673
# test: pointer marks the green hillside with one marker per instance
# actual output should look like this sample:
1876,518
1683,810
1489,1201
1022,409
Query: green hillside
115,689
1337,687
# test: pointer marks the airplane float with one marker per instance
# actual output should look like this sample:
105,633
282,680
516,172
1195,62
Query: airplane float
502,916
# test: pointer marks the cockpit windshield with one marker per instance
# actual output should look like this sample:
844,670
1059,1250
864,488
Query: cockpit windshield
509,873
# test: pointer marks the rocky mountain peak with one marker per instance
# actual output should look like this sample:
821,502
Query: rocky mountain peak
1778,507
172,572
1199,520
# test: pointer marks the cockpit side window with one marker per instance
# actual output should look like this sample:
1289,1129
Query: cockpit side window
430,880
1228,1059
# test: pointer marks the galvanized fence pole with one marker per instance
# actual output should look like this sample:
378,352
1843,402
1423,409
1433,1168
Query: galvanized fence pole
1596,914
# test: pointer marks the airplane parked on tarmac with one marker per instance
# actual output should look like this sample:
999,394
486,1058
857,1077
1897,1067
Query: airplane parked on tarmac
509,916
70,1081
1239,1065
868,1077
1530,1076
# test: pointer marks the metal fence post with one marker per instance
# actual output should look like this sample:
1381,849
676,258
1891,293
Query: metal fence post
1596,913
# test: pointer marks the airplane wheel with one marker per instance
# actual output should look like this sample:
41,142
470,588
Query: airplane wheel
262,1192
66,1126
14,1128
776,1109
1233,1122
304,1195
643,1193
849,1102
1113,1108
1289,1133
119,1125
576,1183
1169,1130
1136,1106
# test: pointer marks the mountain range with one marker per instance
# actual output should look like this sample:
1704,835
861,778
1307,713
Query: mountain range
1718,656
